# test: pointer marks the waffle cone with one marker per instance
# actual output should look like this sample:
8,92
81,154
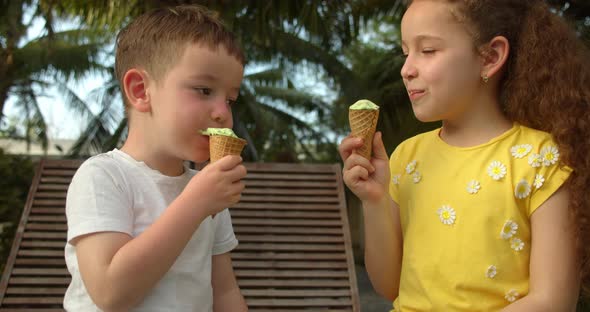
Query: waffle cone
363,123
222,145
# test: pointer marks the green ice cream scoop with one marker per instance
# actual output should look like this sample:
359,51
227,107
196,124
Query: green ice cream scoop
364,104
219,131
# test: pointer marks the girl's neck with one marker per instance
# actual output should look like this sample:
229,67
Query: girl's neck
483,122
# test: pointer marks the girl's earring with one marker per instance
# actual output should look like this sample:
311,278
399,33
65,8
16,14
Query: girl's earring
485,78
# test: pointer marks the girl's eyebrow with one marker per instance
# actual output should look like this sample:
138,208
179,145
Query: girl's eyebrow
424,37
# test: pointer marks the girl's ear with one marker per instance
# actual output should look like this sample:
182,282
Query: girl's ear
495,54
135,84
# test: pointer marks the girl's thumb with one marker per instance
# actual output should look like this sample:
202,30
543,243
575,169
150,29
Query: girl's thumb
379,151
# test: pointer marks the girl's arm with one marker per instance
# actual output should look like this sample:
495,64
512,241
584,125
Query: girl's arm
369,181
226,293
554,269
383,246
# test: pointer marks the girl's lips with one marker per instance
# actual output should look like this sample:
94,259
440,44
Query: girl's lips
416,94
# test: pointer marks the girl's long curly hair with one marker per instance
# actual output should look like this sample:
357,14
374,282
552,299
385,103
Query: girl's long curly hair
546,86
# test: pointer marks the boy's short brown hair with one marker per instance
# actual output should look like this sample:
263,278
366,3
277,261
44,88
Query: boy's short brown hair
157,39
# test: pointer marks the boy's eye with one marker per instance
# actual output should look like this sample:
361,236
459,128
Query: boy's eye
204,91
231,102
428,51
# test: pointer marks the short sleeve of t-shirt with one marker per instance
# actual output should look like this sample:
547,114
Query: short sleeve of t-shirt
97,200
395,169
225,239
548,179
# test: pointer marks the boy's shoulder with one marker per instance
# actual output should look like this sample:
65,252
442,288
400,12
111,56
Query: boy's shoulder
110,164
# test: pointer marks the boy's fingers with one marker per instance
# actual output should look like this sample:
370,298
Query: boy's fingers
379,151
237,173
228,162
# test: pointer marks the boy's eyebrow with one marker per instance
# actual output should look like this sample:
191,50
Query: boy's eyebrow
204,77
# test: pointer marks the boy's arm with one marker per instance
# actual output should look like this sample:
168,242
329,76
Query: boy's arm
226,292
118,271
554,269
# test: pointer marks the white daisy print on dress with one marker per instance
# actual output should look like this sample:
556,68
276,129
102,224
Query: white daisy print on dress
473,187
509,229
410,167
535,160
522,189
539,180
549,155
416,176
519,151
395,178
511,295
496,170
491,271
516,244
446,214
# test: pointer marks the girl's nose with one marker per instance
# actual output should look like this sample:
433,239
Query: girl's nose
409,71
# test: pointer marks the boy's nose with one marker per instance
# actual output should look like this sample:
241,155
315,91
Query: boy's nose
221,114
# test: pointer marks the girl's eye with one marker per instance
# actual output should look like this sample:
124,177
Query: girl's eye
231,102
428,51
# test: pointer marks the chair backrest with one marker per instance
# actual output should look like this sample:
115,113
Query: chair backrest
295,251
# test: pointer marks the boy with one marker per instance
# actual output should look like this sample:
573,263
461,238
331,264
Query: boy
140,232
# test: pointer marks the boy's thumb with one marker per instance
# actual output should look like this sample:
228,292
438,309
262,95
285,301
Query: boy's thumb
379,151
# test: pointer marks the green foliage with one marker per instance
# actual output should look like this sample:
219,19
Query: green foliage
17,173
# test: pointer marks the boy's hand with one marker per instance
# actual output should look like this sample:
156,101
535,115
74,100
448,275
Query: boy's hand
218,185
368,180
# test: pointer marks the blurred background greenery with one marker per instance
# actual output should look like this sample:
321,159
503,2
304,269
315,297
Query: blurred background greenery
307,61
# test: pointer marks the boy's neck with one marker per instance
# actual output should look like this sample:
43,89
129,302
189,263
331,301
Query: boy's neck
139,148
483,122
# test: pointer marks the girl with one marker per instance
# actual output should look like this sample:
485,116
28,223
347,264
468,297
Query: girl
489,212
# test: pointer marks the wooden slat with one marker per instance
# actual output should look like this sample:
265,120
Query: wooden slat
34,300
243,238
35,291
289,247
287,230
289,293
291,256
245,213
249,264
321,303
276,222
291,274
287,206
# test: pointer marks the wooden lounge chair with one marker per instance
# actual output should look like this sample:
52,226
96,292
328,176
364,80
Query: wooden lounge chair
295,251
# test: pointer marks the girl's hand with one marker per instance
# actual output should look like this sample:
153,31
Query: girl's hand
368,180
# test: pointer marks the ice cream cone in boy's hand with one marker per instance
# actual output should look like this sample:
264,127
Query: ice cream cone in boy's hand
363,116
222,142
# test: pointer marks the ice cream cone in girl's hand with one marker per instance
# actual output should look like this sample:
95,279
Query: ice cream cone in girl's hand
222,142
363,116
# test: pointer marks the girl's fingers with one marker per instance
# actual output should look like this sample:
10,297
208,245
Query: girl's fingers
358,160
347,145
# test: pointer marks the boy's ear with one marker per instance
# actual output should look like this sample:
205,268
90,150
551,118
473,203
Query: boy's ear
495,54
135,84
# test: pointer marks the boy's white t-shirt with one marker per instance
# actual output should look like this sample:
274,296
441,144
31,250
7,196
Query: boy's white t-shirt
115,193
